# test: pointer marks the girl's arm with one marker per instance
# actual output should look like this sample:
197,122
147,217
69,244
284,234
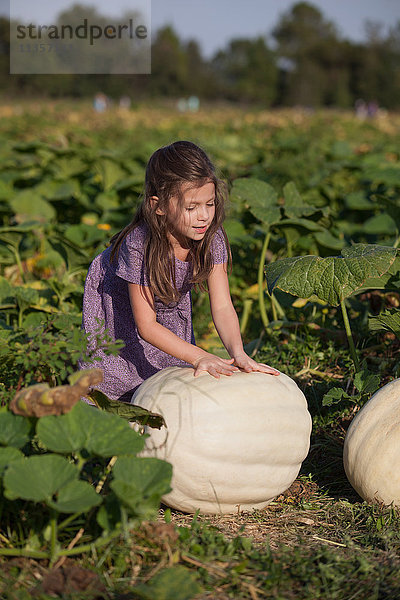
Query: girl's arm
142,303
227,323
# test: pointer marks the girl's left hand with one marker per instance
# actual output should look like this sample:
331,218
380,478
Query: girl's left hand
248,364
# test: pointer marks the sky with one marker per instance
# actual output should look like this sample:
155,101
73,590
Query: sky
213,23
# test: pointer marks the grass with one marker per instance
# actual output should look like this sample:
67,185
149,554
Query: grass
302,546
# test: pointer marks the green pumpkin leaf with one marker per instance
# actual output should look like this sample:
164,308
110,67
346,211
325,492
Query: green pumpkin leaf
388,320
382,224
6,190
14,430
260,197
110,172
33,320
26,296
76,496
37,478
296,222
331,279
107,200
28,204
358,201
388,280
109,435
236,232
6,291
8,456
63,433
83,235
392,208
140,482
109,514
389,176
86,427
294,205
326,239
54,190
66,168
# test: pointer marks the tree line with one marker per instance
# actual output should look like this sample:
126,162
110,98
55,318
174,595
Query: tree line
303,62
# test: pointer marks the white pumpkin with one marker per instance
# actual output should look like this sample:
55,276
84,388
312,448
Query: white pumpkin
371,453
235,443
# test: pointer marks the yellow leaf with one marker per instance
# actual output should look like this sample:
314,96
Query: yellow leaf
300,302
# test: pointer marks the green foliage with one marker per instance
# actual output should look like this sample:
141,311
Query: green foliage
98,432
387,320
333,279
55,470
7,456
259,197
330,279
39,478
140,483
47,353
365,382
14,430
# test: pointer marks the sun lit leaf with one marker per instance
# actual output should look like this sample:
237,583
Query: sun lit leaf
332,278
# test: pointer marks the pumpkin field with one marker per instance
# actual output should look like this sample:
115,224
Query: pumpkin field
313,221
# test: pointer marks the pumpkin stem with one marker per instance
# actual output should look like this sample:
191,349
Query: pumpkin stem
349,336
261,298
247,304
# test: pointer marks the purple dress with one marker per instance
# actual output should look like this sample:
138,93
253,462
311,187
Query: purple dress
106,297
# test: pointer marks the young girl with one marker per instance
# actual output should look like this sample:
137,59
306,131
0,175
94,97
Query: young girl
141,284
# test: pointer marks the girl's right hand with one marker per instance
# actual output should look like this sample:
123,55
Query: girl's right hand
214,365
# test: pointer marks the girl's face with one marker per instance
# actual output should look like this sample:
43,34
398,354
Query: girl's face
196,216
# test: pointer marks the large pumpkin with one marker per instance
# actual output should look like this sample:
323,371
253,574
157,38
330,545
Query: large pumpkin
371,453
235,443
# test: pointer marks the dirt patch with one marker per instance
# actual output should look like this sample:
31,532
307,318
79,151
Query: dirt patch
68,579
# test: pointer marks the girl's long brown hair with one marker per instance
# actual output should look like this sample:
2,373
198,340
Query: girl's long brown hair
168,169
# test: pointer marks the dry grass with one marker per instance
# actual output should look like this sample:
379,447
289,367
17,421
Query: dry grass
278,523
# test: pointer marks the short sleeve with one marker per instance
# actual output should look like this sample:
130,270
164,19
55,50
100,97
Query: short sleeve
131,264
218,248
